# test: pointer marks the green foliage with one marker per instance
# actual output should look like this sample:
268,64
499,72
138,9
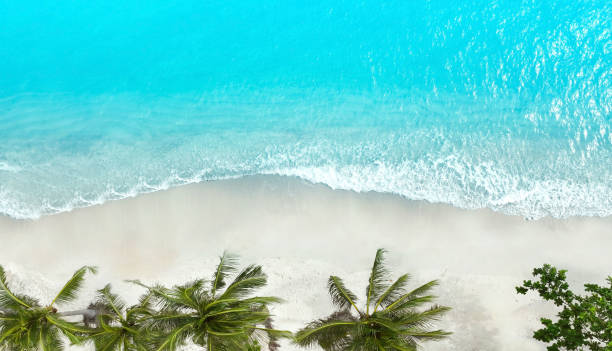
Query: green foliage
584,323
26,325
218,315
120,328
72,287
396,321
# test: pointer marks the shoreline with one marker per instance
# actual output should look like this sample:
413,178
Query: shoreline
134,193
302,233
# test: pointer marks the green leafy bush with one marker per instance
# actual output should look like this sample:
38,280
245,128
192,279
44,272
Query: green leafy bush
584,322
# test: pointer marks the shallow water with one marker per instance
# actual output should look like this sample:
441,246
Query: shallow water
505,105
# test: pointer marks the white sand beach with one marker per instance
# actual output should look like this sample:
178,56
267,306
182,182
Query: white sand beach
302,233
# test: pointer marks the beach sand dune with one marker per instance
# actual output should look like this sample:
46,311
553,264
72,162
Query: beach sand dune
302,233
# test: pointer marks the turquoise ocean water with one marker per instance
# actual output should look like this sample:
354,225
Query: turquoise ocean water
502,104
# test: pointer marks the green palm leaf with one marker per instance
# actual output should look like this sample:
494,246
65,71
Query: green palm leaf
247,281
434,313
49,340
176,338
9,300
67,327
378,277
190,293
326,333
427,335
227,265
110,342
404,300
70,290
401,325
26,326
113,301
393,292
160,295
218,316
340,294
408,305
120,329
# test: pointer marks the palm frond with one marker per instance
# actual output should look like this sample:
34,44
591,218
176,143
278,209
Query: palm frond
420,291
175,339
119,334
378,277
274,335
108,342
70,290
112,301
65,326
262,300
9,300
420,335
49,340
387,325
248,280
431,314
405,347
188,293
220,316
401,325
161,296
341,296
393,292
138,282
227,265
329,334
408,305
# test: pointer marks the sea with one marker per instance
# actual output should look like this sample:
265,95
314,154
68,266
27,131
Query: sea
500,104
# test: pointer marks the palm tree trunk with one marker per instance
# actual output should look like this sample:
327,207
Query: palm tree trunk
90,316
85,313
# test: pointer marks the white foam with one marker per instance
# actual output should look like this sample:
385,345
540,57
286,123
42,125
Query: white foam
5,166
477,187
559,199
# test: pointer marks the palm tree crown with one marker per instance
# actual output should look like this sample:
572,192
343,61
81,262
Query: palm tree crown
26,325
120,328
214,314
389,320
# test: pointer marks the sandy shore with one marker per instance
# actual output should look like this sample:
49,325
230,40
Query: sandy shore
302,233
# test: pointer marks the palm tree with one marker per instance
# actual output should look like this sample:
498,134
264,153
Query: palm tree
119,328
390,320
213,314
26,325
